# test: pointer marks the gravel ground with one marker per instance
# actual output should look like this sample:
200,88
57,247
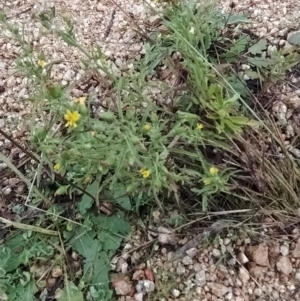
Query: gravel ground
227,269
232,269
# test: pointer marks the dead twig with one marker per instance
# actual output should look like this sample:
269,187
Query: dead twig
110,24
20,13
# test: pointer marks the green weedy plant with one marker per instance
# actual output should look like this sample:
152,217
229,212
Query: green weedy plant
132,145
136,148
19,250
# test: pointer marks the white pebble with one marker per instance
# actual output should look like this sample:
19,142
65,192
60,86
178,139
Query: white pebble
232,261
187,260
197,267
6,190
200,278
257,292
175,293
216,252
192,252
180,269
227,241
282,42
297,276
284,250
139,297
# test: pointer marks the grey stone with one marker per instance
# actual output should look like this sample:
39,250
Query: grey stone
175,293
284,265
200,278
219,289
284,250
187,260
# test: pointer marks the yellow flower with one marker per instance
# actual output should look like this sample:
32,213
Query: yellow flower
93,133
213,171
207,181
56,166
145,173
147,127
72,118
41,63
199,126
80,100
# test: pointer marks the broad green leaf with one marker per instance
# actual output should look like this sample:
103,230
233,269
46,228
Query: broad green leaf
5,257
70,293
260,62
238,84
98,245
90,248
294,39
86,202
18,251
115,224
121,197
252,74
258,47
96,262
124,202
26,293
83,241
237,48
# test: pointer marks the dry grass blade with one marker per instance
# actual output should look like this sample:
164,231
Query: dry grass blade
274,176
21,176
27,227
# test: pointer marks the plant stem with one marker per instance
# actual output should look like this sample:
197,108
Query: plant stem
27,227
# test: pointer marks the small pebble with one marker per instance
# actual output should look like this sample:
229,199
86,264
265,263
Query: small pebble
257,292
175,293
227,241
192,252
138,297
180,270
200,278
187,260
216,253
284,250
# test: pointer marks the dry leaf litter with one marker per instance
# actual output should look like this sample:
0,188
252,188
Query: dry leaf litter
231,269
